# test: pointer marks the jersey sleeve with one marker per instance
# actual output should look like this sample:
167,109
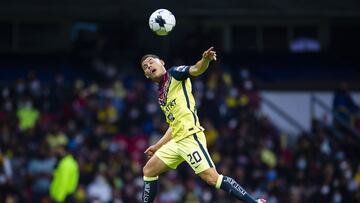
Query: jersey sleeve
180,72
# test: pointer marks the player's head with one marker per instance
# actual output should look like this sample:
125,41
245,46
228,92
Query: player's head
153,67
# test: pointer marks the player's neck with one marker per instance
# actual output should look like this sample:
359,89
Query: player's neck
157,80
162,78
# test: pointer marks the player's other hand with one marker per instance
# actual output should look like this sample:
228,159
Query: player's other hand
209,54
150,151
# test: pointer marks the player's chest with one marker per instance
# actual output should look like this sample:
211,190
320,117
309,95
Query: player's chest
172,98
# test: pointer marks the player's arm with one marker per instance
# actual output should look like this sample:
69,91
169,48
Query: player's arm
166,138
201,66
153,148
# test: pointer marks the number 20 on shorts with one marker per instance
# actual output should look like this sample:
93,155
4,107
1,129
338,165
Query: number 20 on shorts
194,157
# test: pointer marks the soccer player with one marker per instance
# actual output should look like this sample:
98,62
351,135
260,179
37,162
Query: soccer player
184,140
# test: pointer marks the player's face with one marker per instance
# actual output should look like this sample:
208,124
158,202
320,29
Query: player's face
153,68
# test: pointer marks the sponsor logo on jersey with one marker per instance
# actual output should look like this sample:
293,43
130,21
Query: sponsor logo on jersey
170,105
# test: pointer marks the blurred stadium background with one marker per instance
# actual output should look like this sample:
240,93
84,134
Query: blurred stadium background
280,107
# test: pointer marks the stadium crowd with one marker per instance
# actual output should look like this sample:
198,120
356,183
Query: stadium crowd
107,124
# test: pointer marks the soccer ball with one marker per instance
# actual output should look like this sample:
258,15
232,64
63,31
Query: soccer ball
162,21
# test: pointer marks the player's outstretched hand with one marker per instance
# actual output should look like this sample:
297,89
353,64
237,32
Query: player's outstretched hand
150,151
209,54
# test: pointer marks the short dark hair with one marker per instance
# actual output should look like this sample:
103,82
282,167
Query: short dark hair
147,56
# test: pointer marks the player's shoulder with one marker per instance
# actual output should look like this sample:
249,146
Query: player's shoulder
180,72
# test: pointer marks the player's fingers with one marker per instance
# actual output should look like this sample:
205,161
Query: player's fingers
211,53
149,155
214,56
210,49
147,150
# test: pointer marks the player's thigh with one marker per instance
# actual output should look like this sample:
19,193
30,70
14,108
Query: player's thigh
169,155
194,150
154,167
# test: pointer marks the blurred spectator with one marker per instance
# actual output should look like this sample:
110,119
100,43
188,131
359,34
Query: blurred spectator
27,115
40,170
65,177
56,138
99,190
6,176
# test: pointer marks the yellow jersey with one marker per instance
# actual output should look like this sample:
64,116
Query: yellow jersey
178,104
65,179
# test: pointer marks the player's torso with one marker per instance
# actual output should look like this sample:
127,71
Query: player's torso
180,110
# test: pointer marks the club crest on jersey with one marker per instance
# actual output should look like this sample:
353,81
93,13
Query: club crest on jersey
171,117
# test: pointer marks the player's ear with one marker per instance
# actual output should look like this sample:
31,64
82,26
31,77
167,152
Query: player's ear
162,62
